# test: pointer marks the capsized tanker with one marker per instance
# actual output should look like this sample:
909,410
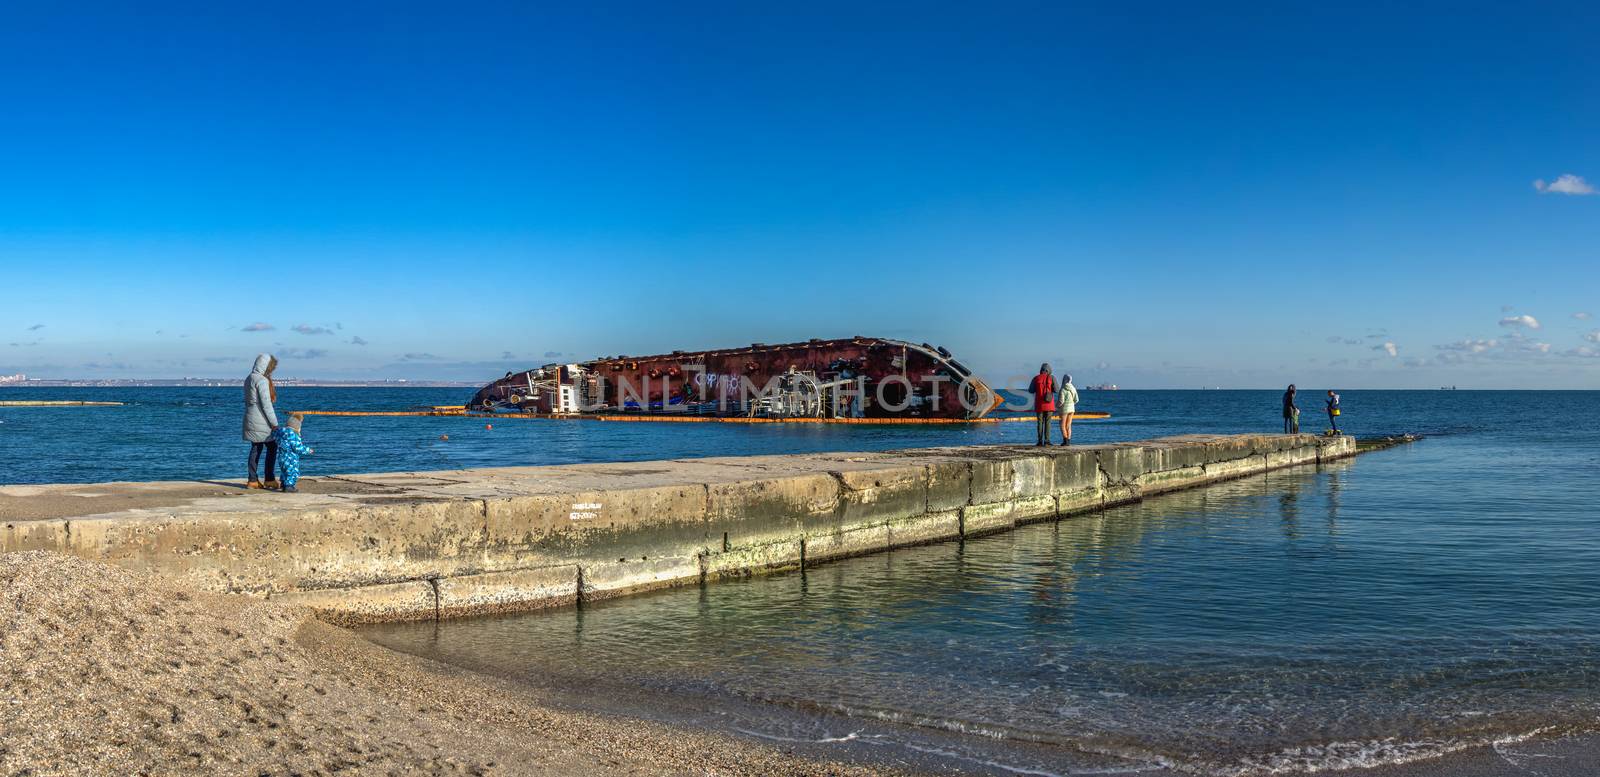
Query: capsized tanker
857,377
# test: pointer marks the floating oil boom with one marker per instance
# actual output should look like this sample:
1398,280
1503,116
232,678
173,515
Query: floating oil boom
857,377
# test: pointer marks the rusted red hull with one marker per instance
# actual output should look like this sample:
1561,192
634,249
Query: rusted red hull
859,377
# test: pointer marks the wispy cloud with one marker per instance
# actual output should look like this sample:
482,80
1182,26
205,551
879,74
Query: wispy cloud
307,329
302,353
35,327
223,359
1469,345
25,345
357,340
1583,315
1592,335
507,355
258,326
1565,184
1584,352
1388,348
552,354
418,357
1519,321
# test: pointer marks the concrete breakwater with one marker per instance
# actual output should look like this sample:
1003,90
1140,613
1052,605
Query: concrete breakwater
418,545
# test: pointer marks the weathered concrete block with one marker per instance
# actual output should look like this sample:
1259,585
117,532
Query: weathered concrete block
33,535
410,600
1234,468
604,579
549,529
1291,457
1171,479
1076,469
1120,463
999,516
1033,476
745,560
1164,456
991,481
1080,501
853,541
868,496
949,485
931,527
511,591
758,512
319,547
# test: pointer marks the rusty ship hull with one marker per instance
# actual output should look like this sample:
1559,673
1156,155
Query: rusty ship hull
857,377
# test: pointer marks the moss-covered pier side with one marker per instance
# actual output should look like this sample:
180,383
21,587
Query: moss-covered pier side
415,545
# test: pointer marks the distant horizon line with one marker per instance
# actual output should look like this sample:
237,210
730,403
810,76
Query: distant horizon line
443,383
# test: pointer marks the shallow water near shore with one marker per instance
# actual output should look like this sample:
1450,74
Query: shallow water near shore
1398,607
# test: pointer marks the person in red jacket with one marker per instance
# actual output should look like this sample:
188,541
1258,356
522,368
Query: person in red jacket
1043,390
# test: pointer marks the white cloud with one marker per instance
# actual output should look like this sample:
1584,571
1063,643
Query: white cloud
1567,183
1585,351
1388,348
1469,345
1592,336
1522,320
357,340
307,329
1583,315
258,327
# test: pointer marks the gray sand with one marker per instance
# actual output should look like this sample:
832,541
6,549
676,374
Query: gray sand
107,671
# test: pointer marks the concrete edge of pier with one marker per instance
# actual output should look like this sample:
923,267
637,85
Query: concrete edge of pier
426,545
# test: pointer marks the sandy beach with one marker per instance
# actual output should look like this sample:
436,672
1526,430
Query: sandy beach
108,671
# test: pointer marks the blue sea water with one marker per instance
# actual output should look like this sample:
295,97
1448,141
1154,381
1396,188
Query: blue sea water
1392,607
194,433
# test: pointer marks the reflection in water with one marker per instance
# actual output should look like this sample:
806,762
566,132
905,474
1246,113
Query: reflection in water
1212,628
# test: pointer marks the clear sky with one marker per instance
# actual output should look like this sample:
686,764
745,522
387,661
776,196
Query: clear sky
1155,195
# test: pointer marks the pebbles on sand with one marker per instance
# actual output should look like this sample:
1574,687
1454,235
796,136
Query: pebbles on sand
108,671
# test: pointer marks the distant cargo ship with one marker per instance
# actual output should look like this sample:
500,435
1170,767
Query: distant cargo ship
857,377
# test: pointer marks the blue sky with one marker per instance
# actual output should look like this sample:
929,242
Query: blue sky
1153,195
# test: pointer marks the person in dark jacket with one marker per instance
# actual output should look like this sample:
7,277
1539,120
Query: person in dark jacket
1043,390
1333,410
261,419
1291,414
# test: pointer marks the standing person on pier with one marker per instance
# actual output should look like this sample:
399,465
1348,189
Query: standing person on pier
1069,405
1043,390
1333,410
1291,414
261,419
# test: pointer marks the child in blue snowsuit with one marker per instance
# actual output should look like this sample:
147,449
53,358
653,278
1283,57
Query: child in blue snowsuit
290,449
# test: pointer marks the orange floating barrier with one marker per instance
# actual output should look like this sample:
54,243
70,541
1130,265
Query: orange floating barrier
451,410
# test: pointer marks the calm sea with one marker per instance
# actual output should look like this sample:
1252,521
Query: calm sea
1392,607
186,433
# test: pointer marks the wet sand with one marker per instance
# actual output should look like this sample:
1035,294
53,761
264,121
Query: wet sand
107,671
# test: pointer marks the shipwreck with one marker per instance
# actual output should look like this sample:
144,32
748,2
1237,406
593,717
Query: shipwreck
857,377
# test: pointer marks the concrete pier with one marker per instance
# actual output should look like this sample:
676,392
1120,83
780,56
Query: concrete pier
418,545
